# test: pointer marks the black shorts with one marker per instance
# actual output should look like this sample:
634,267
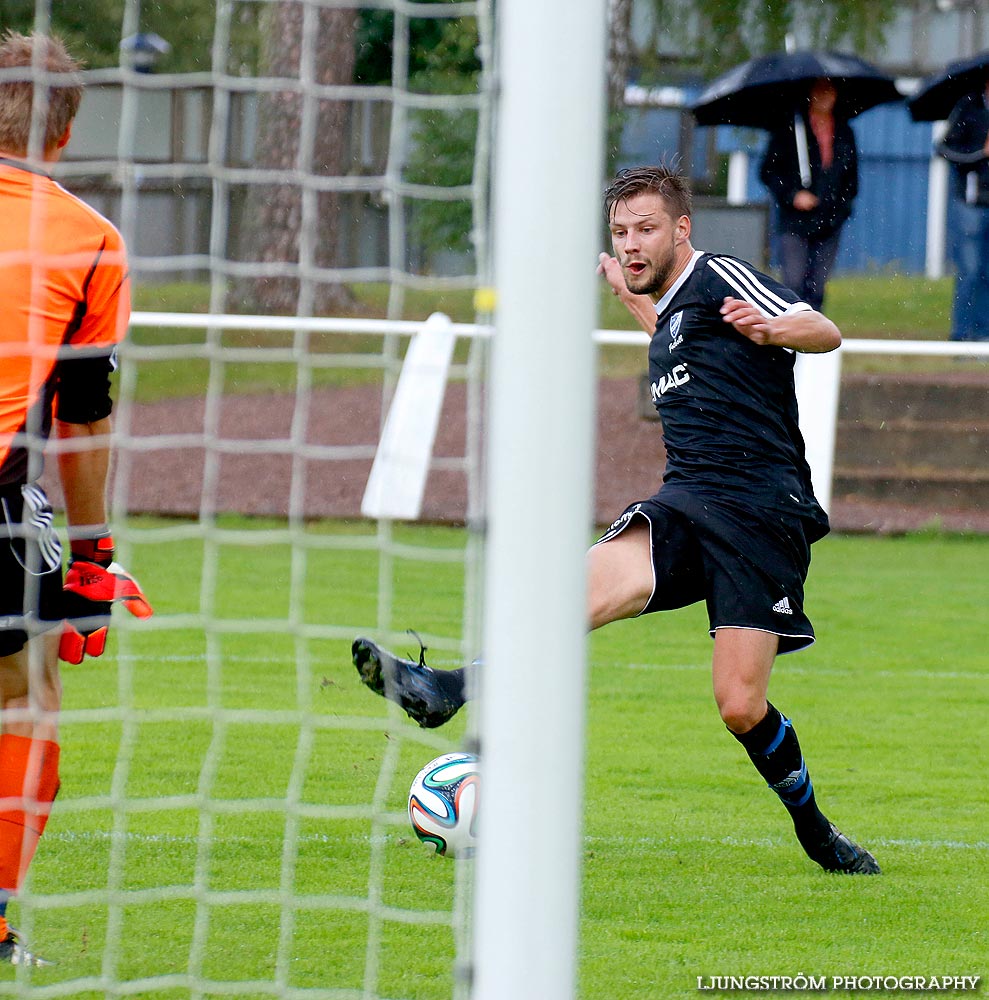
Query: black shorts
748,564
30,567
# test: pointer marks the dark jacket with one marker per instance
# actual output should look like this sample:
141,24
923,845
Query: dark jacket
836,187
963,147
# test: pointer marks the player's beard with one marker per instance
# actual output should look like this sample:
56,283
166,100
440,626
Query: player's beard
654,277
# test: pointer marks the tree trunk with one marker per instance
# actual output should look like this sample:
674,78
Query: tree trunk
621,51
277,215
621,55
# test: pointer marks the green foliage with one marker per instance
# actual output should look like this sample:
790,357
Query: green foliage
451,65
376,45
187,25
859,23
92,31
442,59
719,34
443,142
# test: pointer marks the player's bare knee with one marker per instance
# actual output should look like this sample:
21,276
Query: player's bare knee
740,711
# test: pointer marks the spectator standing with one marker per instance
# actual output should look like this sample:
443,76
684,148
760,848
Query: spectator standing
811,171
966,147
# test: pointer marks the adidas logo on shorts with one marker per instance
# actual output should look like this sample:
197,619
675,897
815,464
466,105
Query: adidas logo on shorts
783,607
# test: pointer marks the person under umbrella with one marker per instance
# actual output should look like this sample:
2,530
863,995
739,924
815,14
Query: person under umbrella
805,99
960,93
937,95
811,171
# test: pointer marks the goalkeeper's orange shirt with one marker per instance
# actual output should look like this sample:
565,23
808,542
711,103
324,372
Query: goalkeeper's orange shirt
64,305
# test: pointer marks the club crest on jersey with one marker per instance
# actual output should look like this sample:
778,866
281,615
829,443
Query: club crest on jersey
676,337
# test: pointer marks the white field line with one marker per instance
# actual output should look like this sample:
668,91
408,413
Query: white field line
783,667
104,836
786,668
282,661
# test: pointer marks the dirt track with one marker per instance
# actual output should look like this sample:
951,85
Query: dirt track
255,466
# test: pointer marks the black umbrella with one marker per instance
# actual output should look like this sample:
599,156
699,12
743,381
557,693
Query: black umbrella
764,92
938,94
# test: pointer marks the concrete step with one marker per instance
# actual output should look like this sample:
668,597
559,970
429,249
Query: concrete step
940,444
914,438
944,397
959,490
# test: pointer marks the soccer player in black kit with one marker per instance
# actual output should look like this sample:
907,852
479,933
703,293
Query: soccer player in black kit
733,522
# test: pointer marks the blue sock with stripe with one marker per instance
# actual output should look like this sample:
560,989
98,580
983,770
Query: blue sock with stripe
773,748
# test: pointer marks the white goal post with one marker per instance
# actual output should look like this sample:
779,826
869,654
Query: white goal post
547,193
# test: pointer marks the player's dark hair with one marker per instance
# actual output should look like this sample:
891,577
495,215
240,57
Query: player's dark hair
17,104
665,181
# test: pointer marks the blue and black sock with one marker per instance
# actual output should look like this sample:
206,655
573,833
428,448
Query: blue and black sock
773,748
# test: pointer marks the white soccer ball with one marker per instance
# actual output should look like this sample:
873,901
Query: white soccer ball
443,803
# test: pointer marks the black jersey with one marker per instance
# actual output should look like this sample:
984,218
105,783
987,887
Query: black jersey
728,406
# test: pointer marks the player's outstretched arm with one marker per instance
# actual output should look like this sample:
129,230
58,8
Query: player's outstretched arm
804,330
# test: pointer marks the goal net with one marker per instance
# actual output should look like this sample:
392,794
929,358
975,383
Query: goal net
300,184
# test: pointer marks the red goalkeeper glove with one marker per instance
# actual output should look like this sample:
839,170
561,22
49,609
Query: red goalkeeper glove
93,584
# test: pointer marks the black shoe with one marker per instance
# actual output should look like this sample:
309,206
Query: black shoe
412,686
842,855
13,952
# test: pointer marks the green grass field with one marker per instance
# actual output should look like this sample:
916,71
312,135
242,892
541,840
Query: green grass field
222,759
883,306
876,304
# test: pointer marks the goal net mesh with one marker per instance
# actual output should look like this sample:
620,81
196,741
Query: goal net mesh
293,192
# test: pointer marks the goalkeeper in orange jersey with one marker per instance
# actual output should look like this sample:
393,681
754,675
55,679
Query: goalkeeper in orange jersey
64,285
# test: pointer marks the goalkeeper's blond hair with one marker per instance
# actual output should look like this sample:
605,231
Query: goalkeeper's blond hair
17,96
